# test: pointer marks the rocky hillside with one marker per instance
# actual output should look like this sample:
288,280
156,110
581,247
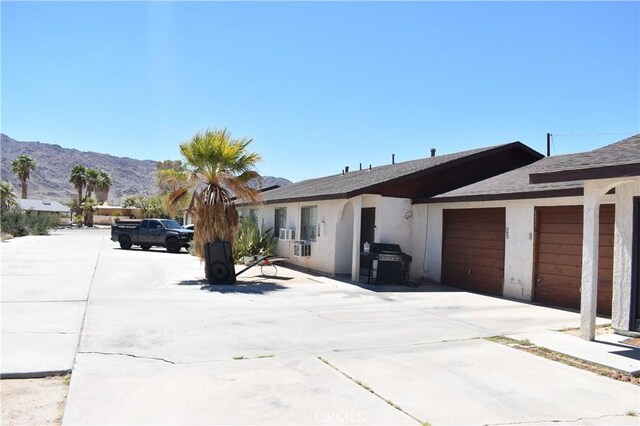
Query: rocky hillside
51,179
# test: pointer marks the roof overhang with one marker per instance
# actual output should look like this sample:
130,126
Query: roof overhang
605,172
572,192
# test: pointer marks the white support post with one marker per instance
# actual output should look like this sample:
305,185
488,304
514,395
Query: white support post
590,242
355,255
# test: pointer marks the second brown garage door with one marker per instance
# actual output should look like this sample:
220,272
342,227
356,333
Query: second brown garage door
558,264
473,249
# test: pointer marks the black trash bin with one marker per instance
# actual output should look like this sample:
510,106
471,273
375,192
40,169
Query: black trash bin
219,268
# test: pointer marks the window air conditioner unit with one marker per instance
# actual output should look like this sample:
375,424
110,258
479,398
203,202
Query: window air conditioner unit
282,235
291,234
301,249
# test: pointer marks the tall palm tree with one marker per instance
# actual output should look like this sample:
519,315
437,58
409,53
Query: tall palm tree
79,180
103,185
22,166
221,169
7,196
93,177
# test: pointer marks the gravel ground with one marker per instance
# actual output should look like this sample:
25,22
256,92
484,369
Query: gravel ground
33,401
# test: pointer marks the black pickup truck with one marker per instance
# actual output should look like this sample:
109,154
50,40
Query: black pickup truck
151,232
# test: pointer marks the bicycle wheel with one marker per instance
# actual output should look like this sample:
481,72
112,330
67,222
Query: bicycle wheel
269,270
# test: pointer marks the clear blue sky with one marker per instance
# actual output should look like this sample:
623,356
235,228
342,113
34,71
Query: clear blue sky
320,85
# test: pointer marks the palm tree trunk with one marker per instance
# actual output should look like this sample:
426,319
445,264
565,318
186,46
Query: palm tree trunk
24,189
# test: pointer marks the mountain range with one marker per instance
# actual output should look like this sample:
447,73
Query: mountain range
50,180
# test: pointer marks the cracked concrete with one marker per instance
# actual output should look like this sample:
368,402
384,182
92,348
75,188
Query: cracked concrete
157,347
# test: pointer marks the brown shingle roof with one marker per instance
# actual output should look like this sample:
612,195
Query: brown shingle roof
519,183
618,159
358,182
514,184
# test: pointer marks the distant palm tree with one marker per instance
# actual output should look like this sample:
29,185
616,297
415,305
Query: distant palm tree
102,186
87,206
221,169
7,196
93,177
79,180
22,166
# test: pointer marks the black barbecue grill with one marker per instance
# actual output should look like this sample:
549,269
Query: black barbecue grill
386,263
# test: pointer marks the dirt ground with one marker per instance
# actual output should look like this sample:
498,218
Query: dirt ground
33,401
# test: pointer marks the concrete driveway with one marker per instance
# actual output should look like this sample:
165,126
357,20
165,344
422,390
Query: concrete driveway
159,347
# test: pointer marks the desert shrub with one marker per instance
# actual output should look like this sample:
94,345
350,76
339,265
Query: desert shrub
19,223
250,241
13,222
41,223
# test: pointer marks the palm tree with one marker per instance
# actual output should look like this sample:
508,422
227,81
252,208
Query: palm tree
22,166
87,207
7,196
93,176
221,169
79,179
168,180
102,186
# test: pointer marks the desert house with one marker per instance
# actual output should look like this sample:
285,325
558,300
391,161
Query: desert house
47,206
108,215
501,220
335,216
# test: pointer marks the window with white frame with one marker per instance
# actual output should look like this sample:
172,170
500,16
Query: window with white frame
308,223
279,220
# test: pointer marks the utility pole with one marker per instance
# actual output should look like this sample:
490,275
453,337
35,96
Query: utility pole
548,144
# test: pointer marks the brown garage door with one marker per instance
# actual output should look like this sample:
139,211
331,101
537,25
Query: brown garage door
558,263
473,249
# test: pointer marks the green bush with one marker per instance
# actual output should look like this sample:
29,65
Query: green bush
19,223
251,242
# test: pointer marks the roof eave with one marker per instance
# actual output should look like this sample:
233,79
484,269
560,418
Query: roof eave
605,172
550,193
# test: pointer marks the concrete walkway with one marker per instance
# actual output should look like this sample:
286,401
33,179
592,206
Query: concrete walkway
607,349
45,285
160,347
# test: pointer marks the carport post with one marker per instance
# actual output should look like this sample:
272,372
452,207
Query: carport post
357,224
590,242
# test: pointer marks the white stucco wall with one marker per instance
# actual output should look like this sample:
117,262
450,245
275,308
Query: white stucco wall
519,241
323,249
334,252
622,254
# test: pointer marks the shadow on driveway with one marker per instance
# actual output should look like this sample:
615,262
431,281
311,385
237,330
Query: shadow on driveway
241,287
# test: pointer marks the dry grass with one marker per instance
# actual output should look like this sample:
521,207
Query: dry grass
527,346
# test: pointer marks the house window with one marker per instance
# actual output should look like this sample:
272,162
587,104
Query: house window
309,223
280,220
253,215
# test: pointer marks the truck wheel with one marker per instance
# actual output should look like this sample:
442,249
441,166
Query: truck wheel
145,247
125,242
173,246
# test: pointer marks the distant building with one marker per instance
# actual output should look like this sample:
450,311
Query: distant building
47,206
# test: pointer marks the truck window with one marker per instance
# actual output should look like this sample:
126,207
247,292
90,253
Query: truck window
143,224
154,224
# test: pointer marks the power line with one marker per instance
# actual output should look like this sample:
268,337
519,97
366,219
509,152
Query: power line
594,134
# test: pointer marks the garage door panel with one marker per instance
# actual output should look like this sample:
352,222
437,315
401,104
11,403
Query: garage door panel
561,228
492,227
558,262
473,249
561,259
479,244
474,235
474,256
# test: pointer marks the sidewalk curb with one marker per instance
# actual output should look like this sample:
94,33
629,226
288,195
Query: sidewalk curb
34,374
